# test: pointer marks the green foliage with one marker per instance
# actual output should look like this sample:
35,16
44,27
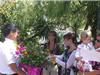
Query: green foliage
34,57
37,18
34,54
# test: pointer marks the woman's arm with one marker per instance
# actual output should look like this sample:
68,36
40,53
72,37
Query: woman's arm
60,62
59,56
71,59
69,63
17,70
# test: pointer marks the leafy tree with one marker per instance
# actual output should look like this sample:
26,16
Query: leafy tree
37,18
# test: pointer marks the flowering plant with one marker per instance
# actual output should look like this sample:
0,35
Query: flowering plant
34,57
20,49
31,60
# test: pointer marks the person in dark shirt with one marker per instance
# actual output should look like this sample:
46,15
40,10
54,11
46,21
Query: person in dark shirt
52,44
52,47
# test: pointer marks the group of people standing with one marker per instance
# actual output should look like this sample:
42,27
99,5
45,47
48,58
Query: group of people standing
69,59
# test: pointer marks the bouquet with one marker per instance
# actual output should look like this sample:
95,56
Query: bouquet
32,59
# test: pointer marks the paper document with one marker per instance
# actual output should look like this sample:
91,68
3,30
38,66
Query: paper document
90,55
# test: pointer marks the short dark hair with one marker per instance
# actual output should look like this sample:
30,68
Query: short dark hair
9,27
70,36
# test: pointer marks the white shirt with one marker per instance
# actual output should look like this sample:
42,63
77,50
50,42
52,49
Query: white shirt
70,61
82,46
7,56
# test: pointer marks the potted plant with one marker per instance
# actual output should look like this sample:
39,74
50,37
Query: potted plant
33,60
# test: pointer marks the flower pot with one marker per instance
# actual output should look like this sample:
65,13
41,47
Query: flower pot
35,70
24,66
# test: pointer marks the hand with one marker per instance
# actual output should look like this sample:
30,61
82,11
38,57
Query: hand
52,55
78,58
82,61
20,72
98,50
53,58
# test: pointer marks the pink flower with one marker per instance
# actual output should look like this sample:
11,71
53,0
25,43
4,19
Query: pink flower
21,48
18,52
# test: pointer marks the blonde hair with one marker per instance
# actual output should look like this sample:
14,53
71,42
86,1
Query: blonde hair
86,34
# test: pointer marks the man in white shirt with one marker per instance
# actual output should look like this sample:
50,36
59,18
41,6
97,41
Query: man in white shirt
8,60
8,56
